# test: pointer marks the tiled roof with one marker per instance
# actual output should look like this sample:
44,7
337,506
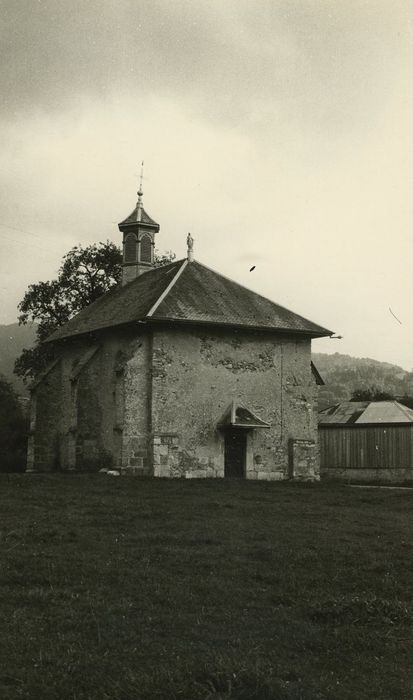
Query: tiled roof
366,412
133,218
203,295
121,305
190,293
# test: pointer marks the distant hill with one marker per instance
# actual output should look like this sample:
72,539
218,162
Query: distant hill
343,374
13,338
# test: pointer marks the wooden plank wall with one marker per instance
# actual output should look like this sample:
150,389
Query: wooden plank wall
366,447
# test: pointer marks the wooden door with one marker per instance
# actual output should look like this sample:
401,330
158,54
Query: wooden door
235,453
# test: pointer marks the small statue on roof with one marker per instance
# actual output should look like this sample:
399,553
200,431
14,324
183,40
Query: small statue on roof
190,244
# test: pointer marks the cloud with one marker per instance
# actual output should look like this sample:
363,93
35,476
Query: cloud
246,64
279,134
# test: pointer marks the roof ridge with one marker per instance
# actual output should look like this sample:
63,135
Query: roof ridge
404,409
118,290
168,288
262,296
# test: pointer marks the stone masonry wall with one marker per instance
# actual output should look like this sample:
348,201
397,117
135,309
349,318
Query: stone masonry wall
84,418
44,449
136,444
152,405
196,375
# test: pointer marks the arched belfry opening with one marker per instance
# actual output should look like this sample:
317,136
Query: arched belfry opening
130,249
138,231
146,249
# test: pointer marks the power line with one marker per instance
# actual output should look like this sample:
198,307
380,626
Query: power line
21,230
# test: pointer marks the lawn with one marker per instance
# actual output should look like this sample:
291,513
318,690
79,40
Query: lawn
128,589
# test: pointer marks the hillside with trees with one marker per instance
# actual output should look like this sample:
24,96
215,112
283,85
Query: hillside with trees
14,423
13,338
345,375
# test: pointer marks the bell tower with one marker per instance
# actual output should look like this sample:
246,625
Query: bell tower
138,231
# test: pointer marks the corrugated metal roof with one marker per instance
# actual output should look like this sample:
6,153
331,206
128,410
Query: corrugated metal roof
386,412
366,412
346,412
187,292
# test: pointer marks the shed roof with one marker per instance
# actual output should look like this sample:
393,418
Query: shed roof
187,292
365,412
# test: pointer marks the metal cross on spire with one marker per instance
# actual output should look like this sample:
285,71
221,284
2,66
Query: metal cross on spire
140,194
140,191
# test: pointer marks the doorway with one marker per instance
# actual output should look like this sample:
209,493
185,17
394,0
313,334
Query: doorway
235,453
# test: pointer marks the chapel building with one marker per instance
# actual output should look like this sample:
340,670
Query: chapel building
178,372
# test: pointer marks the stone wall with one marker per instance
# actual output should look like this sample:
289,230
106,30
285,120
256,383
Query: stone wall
44,447
82,416
304,460
196,375
150,403
136,443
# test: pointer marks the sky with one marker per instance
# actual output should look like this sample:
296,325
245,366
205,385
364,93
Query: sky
279,133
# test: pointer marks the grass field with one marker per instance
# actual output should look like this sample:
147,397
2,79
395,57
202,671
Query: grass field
128,589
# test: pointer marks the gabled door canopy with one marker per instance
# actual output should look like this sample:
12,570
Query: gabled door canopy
238,416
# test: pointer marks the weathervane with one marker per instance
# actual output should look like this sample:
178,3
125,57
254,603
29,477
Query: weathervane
140,190
140,194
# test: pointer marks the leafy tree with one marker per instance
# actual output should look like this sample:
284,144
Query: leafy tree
407,401
84,275
13,430
371,394
375,394
163,258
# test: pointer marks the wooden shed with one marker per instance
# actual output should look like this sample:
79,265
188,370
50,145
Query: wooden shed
366,441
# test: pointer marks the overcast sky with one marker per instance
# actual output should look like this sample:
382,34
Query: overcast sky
279,133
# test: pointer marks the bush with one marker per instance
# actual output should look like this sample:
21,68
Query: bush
13,430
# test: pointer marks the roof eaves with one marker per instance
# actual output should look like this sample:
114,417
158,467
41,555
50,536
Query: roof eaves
326,331
142,224
240,326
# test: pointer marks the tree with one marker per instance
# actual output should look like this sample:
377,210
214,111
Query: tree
372,393
13,430
84,275
407,401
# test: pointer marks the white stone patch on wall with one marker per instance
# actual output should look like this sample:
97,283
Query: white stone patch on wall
304,463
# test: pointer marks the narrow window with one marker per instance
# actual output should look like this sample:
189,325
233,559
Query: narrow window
146,249
129,255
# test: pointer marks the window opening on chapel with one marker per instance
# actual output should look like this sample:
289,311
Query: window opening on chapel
130,248
146,249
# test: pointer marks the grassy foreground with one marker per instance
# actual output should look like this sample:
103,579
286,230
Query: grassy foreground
128,589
